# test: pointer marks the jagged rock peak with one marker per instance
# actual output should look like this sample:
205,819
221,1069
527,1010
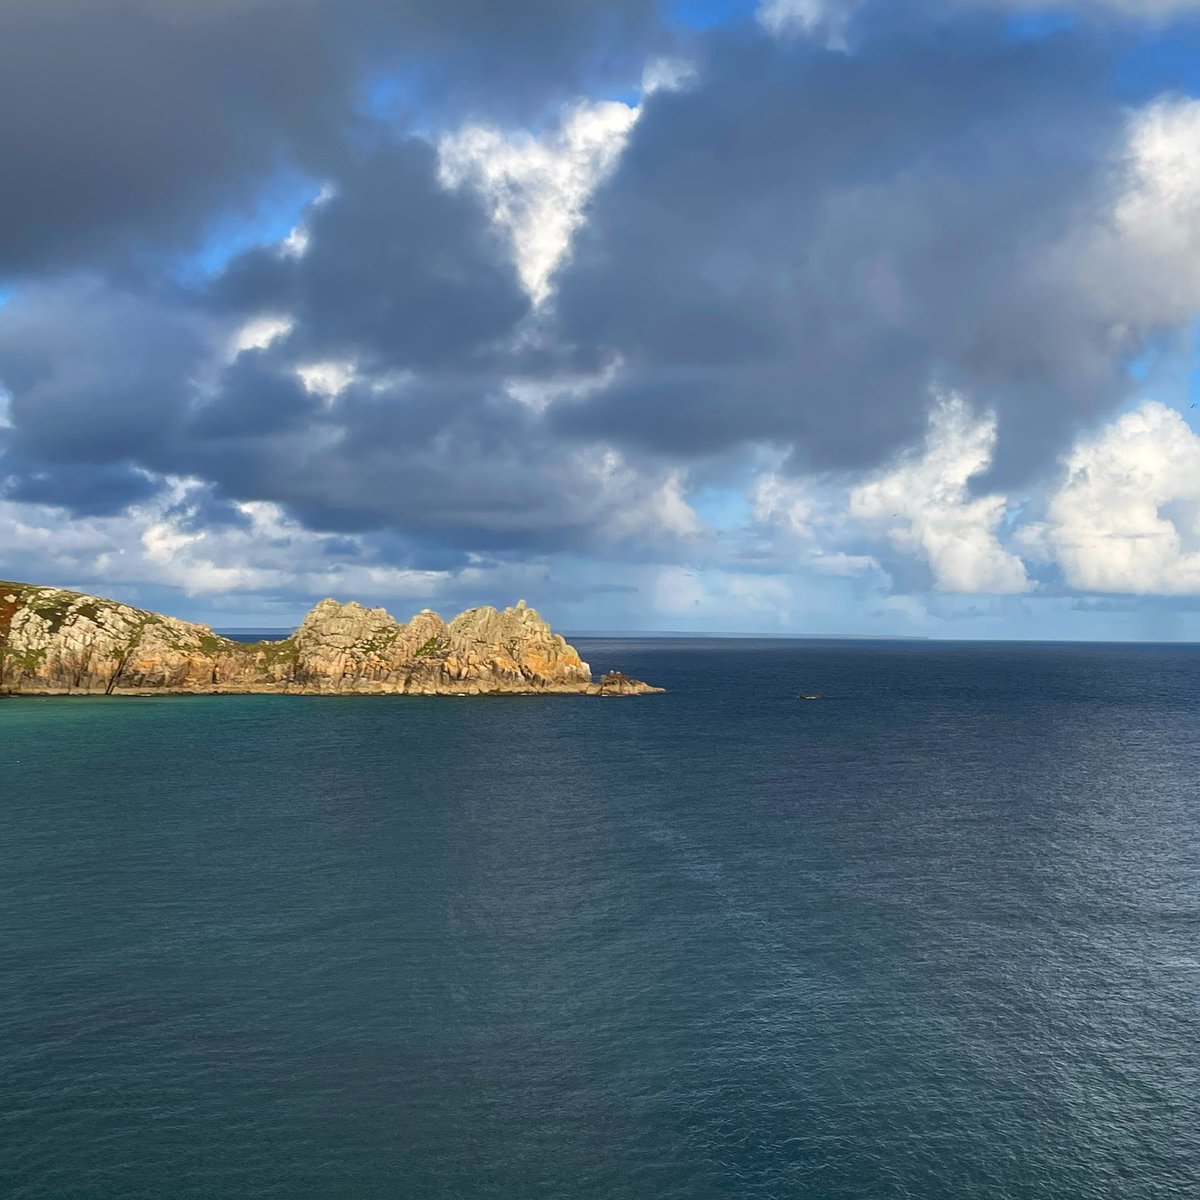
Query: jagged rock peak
335,623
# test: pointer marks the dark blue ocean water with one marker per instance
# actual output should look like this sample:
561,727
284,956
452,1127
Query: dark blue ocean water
936,935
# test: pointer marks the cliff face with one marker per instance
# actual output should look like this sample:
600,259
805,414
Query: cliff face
56,642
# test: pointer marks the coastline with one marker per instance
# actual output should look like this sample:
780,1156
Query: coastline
594,690
60,643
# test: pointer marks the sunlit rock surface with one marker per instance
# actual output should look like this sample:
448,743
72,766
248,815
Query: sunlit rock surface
58,642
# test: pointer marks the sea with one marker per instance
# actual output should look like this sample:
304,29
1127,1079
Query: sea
934,934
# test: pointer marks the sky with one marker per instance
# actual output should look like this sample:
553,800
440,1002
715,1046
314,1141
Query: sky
788,317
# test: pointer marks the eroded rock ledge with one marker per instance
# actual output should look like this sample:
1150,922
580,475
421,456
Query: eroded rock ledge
54,642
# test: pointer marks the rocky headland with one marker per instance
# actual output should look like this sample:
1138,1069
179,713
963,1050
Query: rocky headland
55,642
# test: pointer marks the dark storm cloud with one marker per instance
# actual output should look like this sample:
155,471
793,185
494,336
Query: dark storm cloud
448,461
796,248
253,398
203,509
401,278
86,490
399,273
791,251
99,375
128,123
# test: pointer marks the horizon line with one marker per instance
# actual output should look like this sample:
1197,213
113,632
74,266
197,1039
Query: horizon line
694,635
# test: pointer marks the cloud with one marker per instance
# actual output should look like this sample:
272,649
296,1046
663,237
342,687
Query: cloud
829,21
524,323
785,502
1140,262
258,333
679,591
183,538
976,218
329,378
357,395
536,187
1134,9
690,596
131,125
380,378
100,376
659,508
397,272
925,505
812,522
183,549
821,20
1126,518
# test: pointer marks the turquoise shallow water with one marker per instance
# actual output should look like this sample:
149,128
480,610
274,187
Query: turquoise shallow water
935,935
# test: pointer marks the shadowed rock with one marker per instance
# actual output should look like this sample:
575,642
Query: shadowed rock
56,642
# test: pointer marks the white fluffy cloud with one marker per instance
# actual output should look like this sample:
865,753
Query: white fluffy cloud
823,21
296,244
801,16
328,379
258,333
783,502
166,542
536,187
926,508
631,506
811,522
157,544
1127,516
1139,262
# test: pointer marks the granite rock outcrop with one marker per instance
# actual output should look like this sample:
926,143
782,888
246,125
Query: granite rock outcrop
56,642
